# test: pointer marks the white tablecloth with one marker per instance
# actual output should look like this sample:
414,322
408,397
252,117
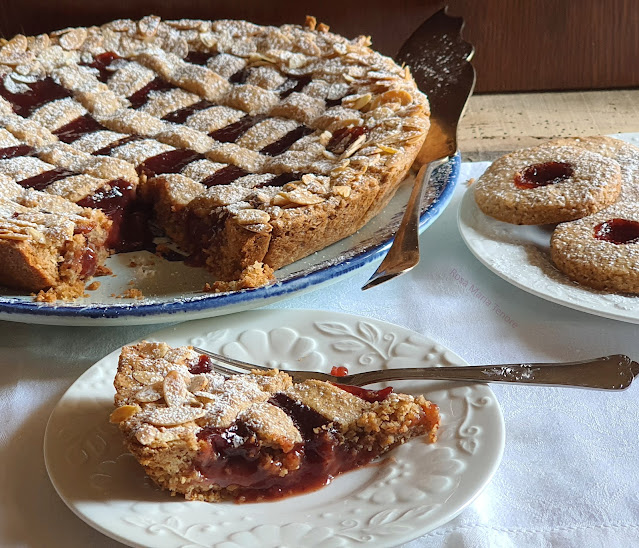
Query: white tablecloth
570,471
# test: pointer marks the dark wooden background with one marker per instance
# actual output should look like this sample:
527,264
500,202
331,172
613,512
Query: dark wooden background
520,44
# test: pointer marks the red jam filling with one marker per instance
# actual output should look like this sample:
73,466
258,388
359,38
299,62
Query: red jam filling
224,176
344,138
198,57
46,178
39,93
281,180
548,173
284,143
203,365
181,115
235,456
293,84
88,262
14,152
618,231
172,161
101,63
141,96
105,151
339,371
232,132
77,128
130,216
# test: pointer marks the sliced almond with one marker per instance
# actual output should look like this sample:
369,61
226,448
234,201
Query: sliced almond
147,434
123,413
174,416
252,217
387,149
208,39
301,196
73,39
358,102
354,146
198,382
148,394
342,190
146,377
174,389
149,25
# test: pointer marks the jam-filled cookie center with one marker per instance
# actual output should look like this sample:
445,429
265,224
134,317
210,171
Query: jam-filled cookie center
618,231
547,173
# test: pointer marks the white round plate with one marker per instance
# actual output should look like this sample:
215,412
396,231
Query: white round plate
521,255
173,291
418,487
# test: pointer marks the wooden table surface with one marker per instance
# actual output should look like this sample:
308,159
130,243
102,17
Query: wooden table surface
495,124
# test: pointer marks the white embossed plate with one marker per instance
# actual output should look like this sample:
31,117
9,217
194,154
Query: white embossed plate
521,255
418,487
173,291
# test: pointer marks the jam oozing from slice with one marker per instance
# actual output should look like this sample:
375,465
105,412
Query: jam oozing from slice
235,456
281,179
198,57
224,176
232,132
40,92
294,83
366,394
14,152
180,116
105,151
141,96
172,161
284,143
130,216
339,371
618,231
547,173
344,138
204,365
77,128
44,179
88,262
101,63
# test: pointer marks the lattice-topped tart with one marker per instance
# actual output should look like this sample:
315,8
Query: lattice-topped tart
249,146
255,436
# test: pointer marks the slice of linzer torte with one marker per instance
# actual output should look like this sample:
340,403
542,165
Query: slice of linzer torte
255,436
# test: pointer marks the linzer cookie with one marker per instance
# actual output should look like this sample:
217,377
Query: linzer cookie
250,146
625,154
256,436
548,184
602,250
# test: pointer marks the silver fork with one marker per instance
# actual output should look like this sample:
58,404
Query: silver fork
614,372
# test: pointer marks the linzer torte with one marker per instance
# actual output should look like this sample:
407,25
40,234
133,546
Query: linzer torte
256,436
249,146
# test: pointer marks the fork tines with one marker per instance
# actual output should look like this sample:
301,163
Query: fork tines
229,366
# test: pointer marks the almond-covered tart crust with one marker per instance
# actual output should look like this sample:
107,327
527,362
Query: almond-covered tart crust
249,146
256,436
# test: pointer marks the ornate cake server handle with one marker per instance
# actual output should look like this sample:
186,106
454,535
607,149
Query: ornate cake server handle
440,63
614,372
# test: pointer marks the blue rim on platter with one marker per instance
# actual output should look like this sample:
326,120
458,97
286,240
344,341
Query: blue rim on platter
320,268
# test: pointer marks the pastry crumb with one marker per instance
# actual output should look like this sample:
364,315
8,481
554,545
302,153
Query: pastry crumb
255,275
93,286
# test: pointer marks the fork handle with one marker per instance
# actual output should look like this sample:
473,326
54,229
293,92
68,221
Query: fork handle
614,372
